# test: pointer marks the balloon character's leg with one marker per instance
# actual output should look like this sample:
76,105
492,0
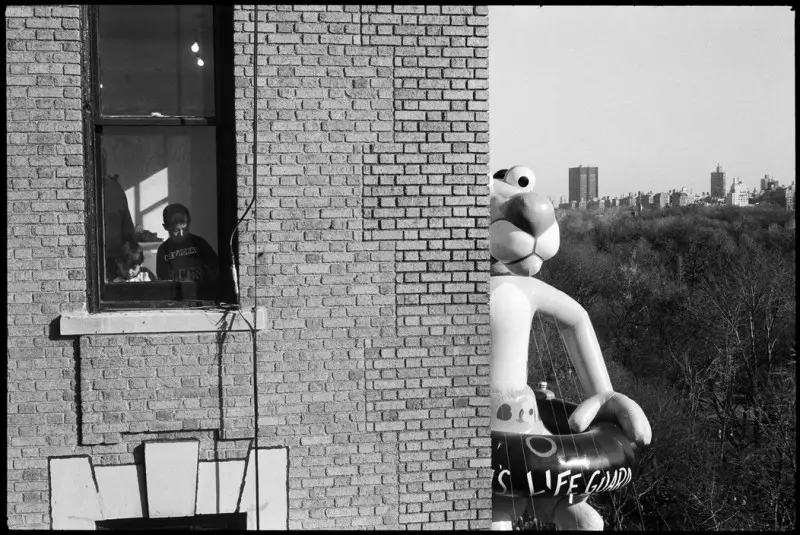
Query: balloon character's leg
578,516
506,510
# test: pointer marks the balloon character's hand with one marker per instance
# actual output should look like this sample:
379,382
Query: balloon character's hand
615,407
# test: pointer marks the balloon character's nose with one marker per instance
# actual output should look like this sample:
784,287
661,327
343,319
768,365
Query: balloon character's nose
524,232
530,212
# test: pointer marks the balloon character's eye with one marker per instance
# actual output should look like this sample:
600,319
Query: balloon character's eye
523,181
530,412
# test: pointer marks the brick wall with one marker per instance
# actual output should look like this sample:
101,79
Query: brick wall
368,251
425,193
45,246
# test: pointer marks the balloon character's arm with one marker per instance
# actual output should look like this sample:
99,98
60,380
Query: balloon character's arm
583,348
576,331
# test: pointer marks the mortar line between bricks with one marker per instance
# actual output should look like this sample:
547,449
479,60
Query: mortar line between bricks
394,141
361,149
360,25
396,261
394,99
396,468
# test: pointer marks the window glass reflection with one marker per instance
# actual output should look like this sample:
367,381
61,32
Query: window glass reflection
146,169
156,60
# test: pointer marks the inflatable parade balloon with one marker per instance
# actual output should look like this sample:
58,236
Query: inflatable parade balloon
548,455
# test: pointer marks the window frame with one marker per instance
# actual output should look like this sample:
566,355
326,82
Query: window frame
224,123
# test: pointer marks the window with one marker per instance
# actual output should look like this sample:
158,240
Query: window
161,133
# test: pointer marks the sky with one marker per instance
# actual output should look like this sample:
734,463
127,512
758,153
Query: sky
655,97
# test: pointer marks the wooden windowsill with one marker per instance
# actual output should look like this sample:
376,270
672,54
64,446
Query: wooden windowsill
159,321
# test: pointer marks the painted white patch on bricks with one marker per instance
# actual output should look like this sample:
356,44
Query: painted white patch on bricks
171,470
73,496
218,486
120,496
272,467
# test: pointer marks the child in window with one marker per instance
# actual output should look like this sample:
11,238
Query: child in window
129,260
184,256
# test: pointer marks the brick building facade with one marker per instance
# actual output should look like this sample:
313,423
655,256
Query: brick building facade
366,256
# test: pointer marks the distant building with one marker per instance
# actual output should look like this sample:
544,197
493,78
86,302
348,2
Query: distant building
583,183
738,195
790,197
768,183
718,183
660,200
693,198
645,199
679,198
597,205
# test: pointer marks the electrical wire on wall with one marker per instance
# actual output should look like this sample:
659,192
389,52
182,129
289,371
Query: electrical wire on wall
234,273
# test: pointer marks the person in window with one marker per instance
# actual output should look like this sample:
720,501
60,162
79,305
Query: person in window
117,222
129,260
184,256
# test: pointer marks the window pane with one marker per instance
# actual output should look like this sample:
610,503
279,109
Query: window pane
156,60
145,169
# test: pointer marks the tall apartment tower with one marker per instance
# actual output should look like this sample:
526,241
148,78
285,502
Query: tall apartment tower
583,182
718,188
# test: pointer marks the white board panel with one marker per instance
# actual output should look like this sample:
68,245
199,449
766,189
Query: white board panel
73,496
218,486
171,470
272,493
120,495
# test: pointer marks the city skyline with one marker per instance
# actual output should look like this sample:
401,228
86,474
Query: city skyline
727,182
654,97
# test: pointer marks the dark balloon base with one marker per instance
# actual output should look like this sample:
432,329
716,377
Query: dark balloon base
601,459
